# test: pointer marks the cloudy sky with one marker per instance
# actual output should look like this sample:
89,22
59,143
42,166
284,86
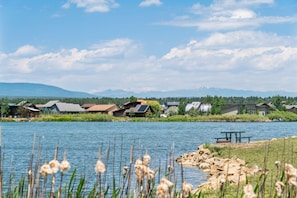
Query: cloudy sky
145,45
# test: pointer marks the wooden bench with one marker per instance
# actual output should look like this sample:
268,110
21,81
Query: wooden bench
222,140
247,137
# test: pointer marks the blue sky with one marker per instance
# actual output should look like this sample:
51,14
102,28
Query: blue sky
146,45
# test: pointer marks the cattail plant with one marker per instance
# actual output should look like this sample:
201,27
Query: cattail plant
99,169
248,191
55,166
279,187
164,188
144,172
186,189
64,166
45,170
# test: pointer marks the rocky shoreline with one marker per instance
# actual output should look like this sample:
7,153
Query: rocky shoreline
219,170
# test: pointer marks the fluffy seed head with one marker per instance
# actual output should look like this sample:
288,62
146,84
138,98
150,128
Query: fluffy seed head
100,167
279,188
277,164
187,189
249,191
45,170
125,171
146,160
55,166
65,165
163,191
167,182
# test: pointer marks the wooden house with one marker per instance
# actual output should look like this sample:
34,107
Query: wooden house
140,111
67,108
291,108
103,108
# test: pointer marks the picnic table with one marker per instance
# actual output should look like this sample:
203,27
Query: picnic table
229,134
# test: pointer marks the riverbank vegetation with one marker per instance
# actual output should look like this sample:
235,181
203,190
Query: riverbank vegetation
273,116
142,177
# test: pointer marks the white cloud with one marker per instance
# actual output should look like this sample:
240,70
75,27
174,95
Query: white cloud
148,3
229,15
93,5
242,14
238,60
26,50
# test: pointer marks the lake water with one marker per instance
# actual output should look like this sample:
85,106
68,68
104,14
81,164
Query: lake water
82,140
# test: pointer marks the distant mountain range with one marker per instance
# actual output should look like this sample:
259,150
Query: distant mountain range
42,90
201,92
38,90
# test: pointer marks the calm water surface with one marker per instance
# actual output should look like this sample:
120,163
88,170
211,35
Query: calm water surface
82,140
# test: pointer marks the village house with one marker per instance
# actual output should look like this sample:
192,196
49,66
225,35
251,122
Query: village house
57,107
86,106
140,111
103,108
260,109
198,106
291,108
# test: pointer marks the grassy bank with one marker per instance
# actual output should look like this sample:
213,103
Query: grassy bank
176,118
266,155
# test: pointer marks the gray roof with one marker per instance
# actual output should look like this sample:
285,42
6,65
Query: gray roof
50,103
69,107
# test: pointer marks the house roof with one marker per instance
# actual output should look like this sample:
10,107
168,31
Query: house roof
172,103
270,105
101,107
86,106
32,109
194,105
50,103
141,108
288,107
69,107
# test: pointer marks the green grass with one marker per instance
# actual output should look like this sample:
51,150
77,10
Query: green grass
87,117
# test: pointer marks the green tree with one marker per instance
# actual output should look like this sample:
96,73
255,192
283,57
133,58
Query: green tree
133,99
277,102
156,107
193,112
4,108
182,107
217,104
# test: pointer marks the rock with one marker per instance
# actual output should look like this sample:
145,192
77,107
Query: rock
218,169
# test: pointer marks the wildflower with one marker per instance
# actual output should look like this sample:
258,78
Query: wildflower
249,191
279,188
187,189
65,165
45,170
55,166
